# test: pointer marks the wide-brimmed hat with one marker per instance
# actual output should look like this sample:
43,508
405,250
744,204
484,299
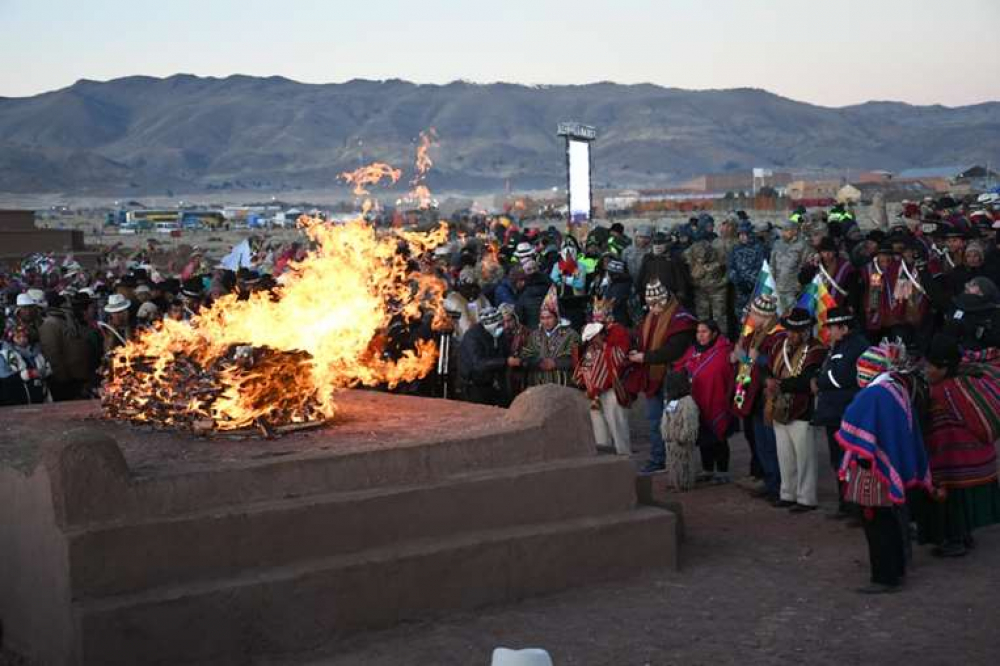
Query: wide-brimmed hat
523,251
798,319
25,301
38,296
117,303
838,316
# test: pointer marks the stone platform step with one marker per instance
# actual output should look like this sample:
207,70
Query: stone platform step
308,604
126,557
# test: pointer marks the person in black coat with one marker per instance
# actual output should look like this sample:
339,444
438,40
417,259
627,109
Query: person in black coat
669,271
482,361
529,301
617,286
837,383
975,316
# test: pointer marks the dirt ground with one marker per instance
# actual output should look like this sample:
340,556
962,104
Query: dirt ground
757,585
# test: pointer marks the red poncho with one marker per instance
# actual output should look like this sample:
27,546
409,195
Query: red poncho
711,383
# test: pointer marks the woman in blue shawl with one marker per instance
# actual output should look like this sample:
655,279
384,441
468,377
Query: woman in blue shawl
884,456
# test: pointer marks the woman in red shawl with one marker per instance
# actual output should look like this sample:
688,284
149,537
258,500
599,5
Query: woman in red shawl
707,363
961,434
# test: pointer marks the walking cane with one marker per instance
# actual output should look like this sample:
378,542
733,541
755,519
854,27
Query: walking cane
444,347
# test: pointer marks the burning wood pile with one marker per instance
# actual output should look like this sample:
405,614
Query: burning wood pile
274,361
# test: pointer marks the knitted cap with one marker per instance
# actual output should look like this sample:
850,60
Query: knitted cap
490,317
871,364
616,266
656,292
765,305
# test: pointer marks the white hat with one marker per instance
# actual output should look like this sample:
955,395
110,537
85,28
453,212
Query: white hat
591,329
38,296
523,251
142,289
147,310
117,303
529,657
25,301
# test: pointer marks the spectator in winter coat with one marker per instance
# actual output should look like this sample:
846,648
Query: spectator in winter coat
529,301
786,261
745,262
482,360
708,279
670,272
836,384
24,372
64,342
510,287
616,285
635,253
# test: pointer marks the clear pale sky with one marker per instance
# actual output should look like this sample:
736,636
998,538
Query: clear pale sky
831,52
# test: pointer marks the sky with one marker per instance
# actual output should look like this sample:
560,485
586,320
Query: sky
823,52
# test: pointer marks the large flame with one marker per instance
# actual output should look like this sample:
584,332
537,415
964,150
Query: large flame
279,359
420,194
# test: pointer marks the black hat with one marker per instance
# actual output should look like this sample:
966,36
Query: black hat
659,238
876,235
886,247
192,288
943,351
827,244
839,315
798,319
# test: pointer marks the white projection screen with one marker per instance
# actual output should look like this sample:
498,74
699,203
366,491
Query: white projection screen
578,153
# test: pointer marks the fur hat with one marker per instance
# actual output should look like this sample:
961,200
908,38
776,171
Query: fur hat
656,293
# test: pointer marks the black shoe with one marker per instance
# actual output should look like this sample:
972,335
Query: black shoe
802,508
782,503
879,588
651,468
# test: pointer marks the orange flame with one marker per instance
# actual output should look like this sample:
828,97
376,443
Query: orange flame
421,194
325,328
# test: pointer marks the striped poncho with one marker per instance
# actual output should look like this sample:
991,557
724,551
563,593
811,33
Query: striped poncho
880,427
964,426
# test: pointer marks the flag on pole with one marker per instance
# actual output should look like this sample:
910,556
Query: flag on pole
817,299
766,286
241,256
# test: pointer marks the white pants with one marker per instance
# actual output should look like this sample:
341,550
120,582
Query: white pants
611,424
798,461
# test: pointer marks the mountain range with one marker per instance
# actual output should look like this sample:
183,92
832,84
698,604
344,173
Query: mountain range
143,134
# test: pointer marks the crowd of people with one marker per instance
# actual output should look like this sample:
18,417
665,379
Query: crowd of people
900,377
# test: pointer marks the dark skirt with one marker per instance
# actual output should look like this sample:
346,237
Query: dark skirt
963,511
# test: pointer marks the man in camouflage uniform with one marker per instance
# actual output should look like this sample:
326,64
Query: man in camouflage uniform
787,255
708,277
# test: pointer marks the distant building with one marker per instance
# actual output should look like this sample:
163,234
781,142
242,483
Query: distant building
739,181
813,190
19,237
849,194
891,191
952,178
875,177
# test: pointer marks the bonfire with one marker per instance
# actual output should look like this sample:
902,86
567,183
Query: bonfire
275,361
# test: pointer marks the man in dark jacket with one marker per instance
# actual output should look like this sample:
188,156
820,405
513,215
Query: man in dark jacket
670,271
975,315
482,361
837,383
529,301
